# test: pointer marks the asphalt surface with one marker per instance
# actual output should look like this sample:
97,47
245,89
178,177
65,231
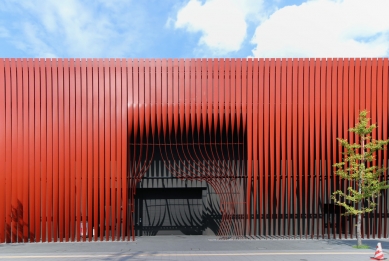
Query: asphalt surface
195,248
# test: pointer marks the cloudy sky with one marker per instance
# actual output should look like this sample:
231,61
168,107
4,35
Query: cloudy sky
194,28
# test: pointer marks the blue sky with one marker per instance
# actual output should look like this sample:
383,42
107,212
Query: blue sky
194,28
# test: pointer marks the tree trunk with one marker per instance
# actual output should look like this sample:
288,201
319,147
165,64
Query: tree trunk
359,238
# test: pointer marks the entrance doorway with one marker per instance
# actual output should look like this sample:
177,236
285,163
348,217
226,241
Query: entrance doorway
169,211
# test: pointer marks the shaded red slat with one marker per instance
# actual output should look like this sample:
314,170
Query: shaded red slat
300,122
95,145
385,87
73,148
61,152
113,158
55,171
38,158
124,107
316,157
289,156
118,147
266,147
101,162
323,78
49,98
351,117
306,152
25,182
20,154
84,150
8,152
334,158
277,142
255,87
78,147
106,204
328,141
3,149
378,109
296,217
282,164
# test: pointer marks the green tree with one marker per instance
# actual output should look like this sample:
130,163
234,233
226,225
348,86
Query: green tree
366,178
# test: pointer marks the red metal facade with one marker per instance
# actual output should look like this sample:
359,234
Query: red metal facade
65,157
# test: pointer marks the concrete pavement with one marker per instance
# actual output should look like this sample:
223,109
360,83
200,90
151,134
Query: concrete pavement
194,248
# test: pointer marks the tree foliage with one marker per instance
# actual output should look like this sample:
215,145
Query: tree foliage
358,167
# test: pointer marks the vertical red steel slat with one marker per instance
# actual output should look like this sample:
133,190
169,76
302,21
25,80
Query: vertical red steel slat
385,87
340,126
238,92
20,177
255,88
304,78
8,152
204,91
351,117
192,93
176,91
277,168
295,143
316,157
283,105
249,98
261,187
55,149
43,137
101,162
345,114
210,88
113,142
164,95
84,147
312,144
107,152
323,78
37,151
198,92
170,92
61,148
118,146
288,81
379,136
3,149
130,228
267,144
49,98
14,151
373,116
87,65
136,107
25,205
124,113
272,143
300,123
334,136
328,139
78,146
95,146
73,149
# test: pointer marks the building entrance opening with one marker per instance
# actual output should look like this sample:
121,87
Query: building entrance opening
188,179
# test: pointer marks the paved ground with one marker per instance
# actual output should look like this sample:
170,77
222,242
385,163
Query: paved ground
194,248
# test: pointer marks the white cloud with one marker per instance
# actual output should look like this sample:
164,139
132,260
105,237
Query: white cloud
222,23
73,28
325,28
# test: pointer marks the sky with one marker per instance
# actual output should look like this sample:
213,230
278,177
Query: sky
194,28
